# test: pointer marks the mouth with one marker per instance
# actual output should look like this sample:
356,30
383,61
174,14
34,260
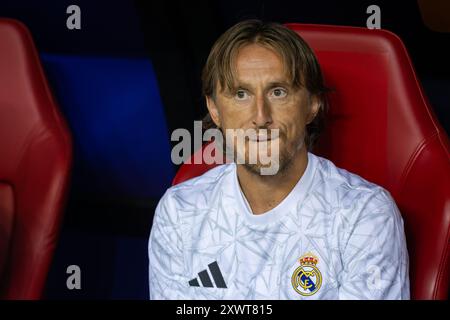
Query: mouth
263,137
260,139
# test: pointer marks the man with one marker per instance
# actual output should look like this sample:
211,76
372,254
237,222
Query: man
308,231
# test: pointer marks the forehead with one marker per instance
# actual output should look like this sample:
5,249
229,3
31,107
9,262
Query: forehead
256,60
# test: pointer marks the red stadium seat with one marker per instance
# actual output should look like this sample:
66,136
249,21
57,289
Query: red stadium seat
35,161
381,126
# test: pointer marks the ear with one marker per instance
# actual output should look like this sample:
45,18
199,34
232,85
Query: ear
213,111
313,109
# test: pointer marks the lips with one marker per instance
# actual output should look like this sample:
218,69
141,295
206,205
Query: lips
264,137
260,138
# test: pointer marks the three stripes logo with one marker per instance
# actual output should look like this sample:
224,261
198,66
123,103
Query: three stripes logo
206,280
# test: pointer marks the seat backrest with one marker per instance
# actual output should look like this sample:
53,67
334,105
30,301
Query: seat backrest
35,160
381,126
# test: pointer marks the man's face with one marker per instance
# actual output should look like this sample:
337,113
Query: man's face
264,98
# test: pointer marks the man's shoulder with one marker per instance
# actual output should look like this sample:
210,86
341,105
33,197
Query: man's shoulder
348,189
339,177
198,190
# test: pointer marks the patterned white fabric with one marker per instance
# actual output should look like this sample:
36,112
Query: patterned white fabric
351,226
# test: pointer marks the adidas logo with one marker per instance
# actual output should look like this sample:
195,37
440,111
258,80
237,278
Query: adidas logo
206,280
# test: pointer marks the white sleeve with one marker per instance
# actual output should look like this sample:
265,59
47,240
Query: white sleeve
165,249
375,257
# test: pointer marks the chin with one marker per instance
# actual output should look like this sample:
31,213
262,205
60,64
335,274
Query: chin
256,168
275,167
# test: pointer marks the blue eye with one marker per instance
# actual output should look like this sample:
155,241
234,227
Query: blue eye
241,94
279,93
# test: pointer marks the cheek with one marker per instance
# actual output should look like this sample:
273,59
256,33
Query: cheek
236,119
293,123
295,133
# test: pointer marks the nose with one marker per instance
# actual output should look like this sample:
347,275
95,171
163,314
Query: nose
262,117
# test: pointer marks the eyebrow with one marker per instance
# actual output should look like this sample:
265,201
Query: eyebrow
279,84
271,84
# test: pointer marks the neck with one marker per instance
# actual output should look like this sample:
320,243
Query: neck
264,193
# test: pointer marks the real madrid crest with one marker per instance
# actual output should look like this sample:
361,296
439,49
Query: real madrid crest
307,278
